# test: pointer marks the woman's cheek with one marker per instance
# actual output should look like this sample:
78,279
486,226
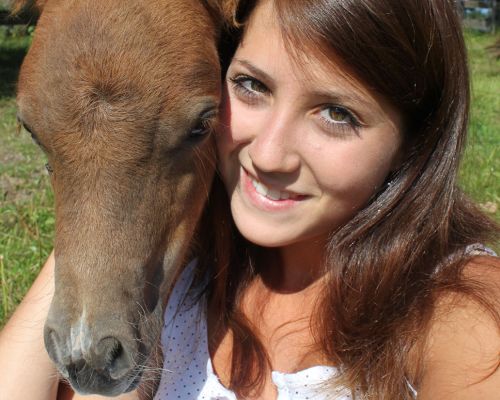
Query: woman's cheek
244,122
350,172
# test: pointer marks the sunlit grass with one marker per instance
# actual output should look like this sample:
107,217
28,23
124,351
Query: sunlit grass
480,172
26,213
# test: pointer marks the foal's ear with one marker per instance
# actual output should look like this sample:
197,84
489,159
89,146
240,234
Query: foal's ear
225,9
229,10
18,6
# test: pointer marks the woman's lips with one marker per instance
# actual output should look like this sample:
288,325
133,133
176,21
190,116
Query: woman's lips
267,198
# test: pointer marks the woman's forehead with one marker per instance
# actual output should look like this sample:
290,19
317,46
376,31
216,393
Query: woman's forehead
265,53
264,46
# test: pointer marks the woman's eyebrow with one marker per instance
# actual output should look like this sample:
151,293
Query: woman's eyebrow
253,69
342,98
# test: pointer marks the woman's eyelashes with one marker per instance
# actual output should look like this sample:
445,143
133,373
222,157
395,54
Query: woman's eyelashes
248,88
337,118
334,119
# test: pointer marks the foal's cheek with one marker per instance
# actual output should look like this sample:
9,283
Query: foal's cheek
225,150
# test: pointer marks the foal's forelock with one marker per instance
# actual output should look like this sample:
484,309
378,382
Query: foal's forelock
120,95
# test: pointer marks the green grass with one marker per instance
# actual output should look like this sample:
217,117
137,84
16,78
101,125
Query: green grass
480,172
26,216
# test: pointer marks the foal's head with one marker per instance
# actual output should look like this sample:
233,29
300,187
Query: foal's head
120,95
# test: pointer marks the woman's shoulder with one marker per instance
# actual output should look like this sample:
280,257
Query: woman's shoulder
462,353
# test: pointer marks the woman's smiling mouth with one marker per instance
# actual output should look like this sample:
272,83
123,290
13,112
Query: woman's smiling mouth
265,197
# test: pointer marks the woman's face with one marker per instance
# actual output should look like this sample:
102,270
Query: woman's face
302,147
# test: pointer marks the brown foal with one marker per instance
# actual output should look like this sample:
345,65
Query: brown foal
121,96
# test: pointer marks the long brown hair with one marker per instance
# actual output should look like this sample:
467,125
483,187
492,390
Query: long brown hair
389,263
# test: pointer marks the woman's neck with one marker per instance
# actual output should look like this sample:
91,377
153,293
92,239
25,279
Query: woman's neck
278,304
294,267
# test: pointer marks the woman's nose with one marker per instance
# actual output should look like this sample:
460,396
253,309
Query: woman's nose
273,147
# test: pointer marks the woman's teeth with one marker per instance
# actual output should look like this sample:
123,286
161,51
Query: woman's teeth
271,193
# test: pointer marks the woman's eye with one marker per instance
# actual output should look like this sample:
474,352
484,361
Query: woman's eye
336,117
248,87
253,85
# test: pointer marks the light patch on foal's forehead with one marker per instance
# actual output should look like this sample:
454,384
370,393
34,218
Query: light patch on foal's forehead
80,337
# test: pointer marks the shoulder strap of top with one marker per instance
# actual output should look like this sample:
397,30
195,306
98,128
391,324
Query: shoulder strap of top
479,250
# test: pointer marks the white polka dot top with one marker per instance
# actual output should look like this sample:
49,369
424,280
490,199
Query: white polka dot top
187,369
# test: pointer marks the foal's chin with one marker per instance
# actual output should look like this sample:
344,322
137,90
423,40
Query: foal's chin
92,382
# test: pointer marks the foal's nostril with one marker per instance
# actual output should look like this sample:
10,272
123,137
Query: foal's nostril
56,349
115,359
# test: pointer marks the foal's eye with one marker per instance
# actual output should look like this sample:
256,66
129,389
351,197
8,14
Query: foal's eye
35,139
22,124
204,125
30,131
201,129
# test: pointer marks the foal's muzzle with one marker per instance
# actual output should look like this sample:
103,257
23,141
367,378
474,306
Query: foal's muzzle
107,366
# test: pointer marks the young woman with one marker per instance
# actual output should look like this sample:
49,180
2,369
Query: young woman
349,265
